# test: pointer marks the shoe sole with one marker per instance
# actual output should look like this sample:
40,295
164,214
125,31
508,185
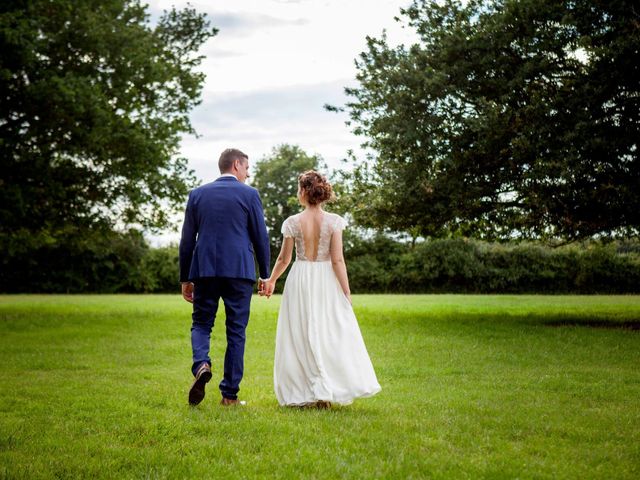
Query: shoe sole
239,403
196,394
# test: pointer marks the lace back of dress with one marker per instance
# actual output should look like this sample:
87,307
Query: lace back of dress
323,241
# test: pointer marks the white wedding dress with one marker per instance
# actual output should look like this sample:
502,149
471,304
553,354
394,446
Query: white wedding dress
320,353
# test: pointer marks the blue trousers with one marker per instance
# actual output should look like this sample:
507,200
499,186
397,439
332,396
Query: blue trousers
236,295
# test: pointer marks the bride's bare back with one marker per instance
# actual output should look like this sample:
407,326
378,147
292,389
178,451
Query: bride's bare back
311,229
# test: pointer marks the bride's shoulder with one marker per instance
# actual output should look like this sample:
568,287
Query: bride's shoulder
336,220
292,218
288,226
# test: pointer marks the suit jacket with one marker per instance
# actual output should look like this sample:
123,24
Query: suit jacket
223,226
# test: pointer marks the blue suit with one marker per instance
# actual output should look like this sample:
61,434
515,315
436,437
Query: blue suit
223,227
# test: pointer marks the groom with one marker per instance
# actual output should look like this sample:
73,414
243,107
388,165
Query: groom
223,225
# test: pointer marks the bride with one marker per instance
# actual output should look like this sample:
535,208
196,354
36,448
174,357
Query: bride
320,354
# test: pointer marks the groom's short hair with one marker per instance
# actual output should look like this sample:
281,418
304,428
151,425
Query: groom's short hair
229,156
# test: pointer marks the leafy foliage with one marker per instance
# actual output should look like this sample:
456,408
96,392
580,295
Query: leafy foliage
468,266
98,261
124,262
507,118
93,101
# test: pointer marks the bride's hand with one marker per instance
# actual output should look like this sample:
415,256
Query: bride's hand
269,287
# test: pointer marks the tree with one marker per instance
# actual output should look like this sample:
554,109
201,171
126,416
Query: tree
507,118
93,102
276,178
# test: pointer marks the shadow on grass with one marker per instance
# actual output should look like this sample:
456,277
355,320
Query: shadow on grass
483,324
594,323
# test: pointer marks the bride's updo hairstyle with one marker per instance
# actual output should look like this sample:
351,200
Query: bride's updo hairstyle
315,187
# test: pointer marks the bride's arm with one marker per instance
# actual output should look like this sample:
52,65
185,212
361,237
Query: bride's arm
337,261
282,262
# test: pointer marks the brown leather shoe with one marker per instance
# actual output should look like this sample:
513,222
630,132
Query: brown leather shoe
228,402
203,375
323,405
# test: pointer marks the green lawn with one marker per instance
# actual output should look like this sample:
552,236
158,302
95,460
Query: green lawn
473,387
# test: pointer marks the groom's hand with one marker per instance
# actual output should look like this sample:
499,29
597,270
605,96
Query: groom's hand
187,291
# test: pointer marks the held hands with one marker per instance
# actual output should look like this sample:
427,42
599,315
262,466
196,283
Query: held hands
266,287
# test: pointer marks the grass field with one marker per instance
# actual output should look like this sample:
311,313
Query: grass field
473,387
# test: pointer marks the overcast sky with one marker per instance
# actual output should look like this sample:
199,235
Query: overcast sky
272,67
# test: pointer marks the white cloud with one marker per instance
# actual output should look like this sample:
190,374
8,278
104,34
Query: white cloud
238,24
256,121
285,44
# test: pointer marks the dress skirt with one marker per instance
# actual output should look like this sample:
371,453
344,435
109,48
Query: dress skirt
320,353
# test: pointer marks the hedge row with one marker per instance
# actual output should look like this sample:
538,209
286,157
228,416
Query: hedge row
464,266
98,262
125,263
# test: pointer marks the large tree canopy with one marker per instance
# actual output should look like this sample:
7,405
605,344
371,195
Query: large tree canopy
507,118
93,100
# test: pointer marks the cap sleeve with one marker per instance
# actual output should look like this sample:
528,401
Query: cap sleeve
339,223
287,228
